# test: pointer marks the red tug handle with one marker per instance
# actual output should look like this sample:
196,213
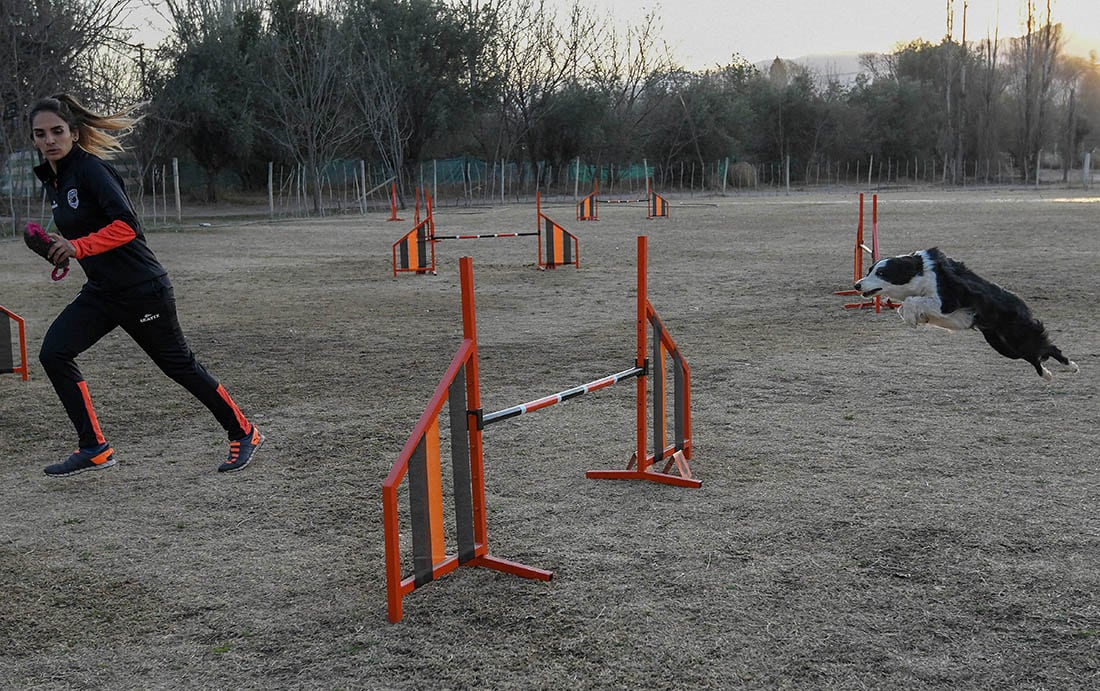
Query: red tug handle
39,243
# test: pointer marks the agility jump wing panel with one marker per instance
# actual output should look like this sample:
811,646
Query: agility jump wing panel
588,209
415,251
658,206
8,349
559,246
420,462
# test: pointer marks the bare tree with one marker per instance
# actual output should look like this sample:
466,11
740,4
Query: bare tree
1069,81
306,82
1034,56
378,101
989,86
46,47
631,69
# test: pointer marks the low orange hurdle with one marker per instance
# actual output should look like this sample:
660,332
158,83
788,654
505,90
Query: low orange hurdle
588,209
414,252
460,392
557,246
657,206
7,352
857,260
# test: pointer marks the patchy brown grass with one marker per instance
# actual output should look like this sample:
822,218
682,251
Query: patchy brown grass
882,507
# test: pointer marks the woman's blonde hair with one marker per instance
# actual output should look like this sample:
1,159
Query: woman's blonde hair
96,133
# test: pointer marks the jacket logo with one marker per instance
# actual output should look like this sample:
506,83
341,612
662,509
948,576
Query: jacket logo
73,200
148,318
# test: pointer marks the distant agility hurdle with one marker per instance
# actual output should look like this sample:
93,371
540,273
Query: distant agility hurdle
588,209
460,391
657,206
8,349
858,253
415,250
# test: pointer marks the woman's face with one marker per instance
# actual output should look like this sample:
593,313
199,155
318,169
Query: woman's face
52,136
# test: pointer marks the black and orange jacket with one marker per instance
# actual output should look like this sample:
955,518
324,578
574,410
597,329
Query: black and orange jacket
91,210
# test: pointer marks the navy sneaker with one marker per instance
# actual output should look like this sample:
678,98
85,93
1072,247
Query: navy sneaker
241,451
95,458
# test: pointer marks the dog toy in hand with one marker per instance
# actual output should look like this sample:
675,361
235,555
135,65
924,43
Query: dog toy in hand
40,242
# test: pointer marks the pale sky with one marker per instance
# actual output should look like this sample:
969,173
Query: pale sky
705,33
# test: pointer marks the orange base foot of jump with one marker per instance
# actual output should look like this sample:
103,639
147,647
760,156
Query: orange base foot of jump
632,472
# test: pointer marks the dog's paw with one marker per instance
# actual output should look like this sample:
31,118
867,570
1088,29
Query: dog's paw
1047,374
1071,368
911,314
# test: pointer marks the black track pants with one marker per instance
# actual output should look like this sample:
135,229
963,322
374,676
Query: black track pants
148,313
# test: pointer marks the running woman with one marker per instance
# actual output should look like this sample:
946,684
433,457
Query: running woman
127,287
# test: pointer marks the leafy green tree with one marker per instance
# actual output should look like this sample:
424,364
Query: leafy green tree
431,53
209,94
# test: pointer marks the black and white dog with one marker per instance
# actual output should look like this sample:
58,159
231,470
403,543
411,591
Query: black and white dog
934,289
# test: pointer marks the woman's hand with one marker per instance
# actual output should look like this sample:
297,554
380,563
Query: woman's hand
61,251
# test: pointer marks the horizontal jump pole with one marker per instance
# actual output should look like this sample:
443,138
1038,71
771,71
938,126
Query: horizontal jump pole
481,236
547,401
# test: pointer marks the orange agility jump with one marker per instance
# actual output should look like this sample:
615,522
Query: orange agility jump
857,260
7,350
657,206
588,209
415,251
460,390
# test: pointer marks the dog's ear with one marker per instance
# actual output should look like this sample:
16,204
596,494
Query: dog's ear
914,263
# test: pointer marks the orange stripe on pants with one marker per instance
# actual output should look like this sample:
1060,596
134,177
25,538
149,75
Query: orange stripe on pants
83,386
246,427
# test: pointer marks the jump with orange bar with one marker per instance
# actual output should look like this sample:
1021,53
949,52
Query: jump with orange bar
459,392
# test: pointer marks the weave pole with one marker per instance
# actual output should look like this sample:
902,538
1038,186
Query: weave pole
7,351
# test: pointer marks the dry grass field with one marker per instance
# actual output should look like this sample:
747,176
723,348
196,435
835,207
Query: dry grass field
882,507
